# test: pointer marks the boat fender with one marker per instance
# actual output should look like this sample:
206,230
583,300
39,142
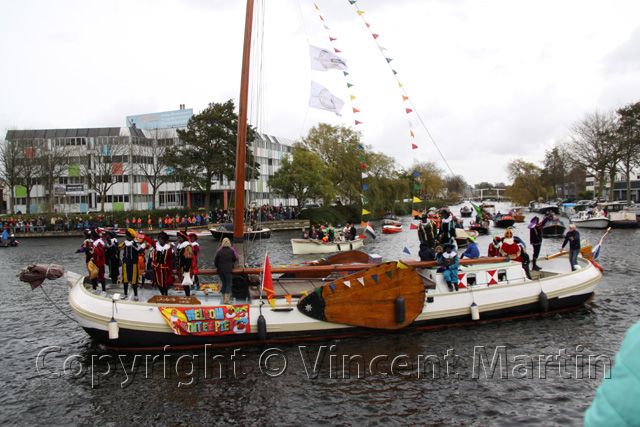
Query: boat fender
400,309
475,311
350,246
339,247
114,329
596,265
544,302
262,328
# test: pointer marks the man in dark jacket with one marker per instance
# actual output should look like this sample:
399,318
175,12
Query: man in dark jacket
573,238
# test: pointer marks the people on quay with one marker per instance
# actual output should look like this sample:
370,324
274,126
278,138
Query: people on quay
112,255
573,238
535,238
494,246
98,258
184,260
472,251
193,238
448,259
426,253
162,264
224,260
131,249
5,237
509,247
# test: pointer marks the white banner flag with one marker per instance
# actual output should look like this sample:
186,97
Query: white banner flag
321,98
323,60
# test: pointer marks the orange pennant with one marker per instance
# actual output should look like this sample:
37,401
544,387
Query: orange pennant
363,224
415,213
404,98
355,110
412,135
288,298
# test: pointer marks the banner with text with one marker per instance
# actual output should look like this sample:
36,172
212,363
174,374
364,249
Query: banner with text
219,320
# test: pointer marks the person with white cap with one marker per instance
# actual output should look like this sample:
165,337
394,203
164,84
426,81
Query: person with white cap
573,238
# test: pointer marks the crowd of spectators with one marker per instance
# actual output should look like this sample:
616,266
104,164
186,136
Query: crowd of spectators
66,223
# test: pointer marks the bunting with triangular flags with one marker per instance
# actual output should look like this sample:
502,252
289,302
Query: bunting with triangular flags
416,200
374,277
390,274
413,227
360,280
415,213
406,250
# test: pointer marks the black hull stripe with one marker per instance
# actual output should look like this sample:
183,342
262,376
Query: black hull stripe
141,340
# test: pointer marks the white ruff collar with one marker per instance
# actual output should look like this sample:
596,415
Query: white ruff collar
183,245
449,255
161,248
97,242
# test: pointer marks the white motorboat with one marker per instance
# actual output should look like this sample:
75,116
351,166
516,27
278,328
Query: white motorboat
587,219
620,214
315,246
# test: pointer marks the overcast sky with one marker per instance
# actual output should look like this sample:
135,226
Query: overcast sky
491,80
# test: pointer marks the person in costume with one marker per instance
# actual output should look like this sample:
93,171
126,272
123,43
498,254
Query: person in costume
427,231
193,238
112,255
130,270
162,264
98,258
535,238
447,227
449,265
184,258
524,256
494,246
87,244
472,251
225,259
509,246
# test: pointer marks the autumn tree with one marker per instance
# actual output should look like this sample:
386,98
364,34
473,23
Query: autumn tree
556,165
303,176
337,148
592,145
150,160
526,179
430,180
207,150
628,133
107,161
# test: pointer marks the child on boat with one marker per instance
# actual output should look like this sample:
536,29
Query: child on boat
449,261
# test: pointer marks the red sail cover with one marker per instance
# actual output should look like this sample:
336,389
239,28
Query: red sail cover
217,320
267,281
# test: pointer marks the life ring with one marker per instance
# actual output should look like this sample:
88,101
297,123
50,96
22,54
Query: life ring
596,265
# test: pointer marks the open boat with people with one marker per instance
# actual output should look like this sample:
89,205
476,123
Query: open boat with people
503,221
315,246
339,300
226,230
554,227
590,219
465,212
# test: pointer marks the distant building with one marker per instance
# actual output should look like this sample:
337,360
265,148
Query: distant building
131,190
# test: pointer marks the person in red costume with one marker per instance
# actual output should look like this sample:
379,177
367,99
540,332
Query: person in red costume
97,255
162,264
494,246
193,238
509,247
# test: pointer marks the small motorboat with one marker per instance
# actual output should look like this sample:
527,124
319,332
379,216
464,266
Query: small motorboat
315,246
553,228
517,214
465,212
482,228
590,219
503,221
392,228
390,219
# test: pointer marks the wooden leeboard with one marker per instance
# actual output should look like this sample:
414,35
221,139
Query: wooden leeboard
173,299
374,304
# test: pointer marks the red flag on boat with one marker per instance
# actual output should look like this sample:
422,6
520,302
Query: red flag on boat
413,227
267,280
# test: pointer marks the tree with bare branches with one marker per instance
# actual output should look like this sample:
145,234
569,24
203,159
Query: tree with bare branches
149,159
628,132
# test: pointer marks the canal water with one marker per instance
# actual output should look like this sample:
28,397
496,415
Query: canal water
545,371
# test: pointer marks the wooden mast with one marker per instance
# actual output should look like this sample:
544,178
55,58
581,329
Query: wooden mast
241,145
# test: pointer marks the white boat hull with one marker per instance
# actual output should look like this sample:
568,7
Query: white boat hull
500,290
313,246
594,223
